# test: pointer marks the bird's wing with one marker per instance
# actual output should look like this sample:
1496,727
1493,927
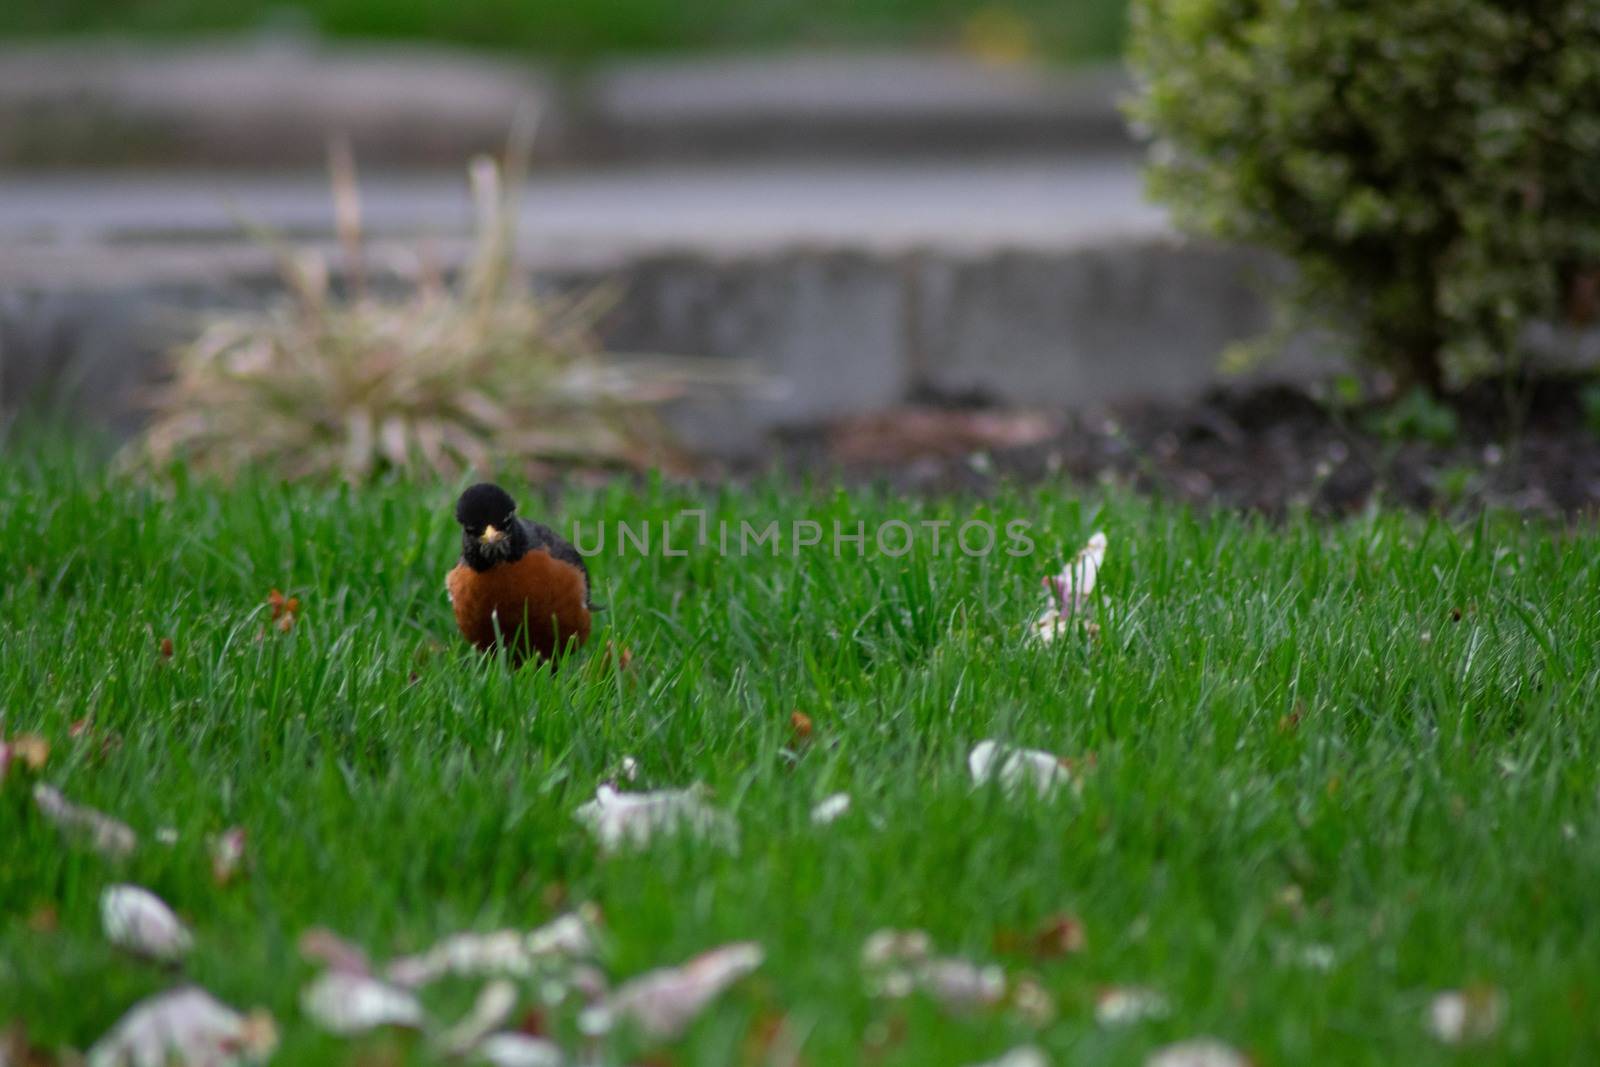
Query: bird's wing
542,536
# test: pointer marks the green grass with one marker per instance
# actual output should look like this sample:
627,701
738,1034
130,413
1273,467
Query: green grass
1436,800
1071,29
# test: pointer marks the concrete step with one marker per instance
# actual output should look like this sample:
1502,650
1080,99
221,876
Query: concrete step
1037,281
272,103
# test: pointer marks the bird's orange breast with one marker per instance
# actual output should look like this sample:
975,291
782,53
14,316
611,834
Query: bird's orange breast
538,604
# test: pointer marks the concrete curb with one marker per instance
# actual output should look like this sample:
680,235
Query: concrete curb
841,330
273,104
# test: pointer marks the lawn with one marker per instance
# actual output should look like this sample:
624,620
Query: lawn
1327,770
1066,29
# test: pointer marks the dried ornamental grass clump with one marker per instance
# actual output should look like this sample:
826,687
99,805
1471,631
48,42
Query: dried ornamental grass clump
437,381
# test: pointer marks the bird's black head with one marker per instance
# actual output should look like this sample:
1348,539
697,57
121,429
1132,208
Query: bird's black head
490,532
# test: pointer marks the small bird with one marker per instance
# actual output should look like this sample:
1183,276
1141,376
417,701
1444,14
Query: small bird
518,583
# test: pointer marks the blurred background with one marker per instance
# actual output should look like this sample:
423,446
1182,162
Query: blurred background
1074,30
891,238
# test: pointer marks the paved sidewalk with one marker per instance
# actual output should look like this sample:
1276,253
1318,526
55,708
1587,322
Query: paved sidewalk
1035,203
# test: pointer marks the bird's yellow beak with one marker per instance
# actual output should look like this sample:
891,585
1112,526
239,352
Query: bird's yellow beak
491,535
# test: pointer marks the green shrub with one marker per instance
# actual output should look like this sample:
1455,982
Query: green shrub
1432,167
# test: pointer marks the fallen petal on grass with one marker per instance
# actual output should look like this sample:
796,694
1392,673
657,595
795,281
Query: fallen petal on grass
1462,1016
1316,957
186,1027
321,945
495,1003
1069,593
620,820
959,983
508,953
345,1003
830,809
1032,1002
519,1050
138,921
227,855
1124,1005
1017,768
663,1002
1073,586
1026,1056
885,947
106,835
900,962
1197,1052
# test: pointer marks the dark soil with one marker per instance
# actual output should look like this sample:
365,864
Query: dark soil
1268,449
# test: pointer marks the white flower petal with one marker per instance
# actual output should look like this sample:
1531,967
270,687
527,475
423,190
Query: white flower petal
495,1003
571,935
1459,1016
898,962
509,953
1075,583
138,921
1198,1052
663,1002
342,1002
1017,768
1069,593
185,1026
107,836
519,1050
1026,1056
884,947
620,820
227,854
959,983
1122,1005
830,808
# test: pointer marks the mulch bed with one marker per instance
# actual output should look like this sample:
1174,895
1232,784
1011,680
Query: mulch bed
1269,449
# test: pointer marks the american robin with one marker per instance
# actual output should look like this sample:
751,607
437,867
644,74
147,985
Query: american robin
518,583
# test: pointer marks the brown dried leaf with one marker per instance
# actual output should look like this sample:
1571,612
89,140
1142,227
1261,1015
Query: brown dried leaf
800,729
1062,935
